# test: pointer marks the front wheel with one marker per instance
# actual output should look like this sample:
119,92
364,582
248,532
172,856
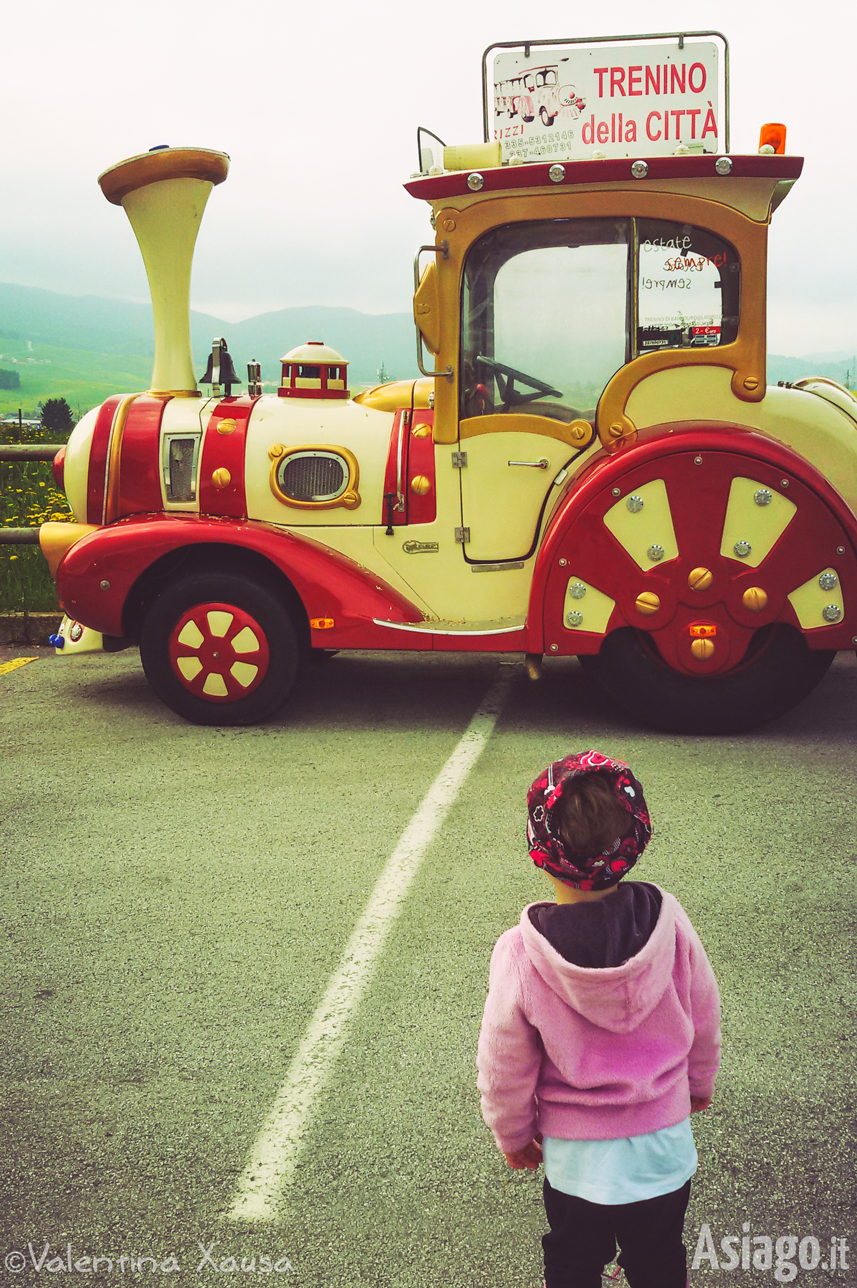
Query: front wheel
777,673
220,649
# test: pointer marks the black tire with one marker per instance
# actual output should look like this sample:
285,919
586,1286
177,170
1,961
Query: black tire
546,117
277,651
778,672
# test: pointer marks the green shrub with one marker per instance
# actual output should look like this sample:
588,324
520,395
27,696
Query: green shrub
28,498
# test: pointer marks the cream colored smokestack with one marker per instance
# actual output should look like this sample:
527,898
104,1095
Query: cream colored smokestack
164,194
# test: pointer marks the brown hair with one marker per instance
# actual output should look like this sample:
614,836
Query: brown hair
588,815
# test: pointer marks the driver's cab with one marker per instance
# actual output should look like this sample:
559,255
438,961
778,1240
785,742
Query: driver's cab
551,310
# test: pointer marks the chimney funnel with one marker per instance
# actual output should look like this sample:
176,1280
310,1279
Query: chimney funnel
163,193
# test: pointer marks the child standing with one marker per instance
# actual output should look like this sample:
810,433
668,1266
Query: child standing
601,1035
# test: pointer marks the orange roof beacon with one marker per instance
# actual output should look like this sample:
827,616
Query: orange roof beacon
592,465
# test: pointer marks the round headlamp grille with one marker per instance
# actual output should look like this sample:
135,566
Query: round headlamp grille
313,476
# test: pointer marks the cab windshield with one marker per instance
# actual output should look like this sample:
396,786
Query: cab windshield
552,309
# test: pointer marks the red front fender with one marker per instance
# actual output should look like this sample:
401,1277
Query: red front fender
98,574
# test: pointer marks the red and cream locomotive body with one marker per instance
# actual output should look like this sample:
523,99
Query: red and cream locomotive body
594,467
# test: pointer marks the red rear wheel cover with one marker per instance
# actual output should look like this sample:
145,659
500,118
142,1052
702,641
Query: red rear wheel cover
218,652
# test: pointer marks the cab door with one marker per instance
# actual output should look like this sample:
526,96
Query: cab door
544,327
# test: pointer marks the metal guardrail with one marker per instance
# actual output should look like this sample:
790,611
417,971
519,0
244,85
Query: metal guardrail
30,451
25,452
19,536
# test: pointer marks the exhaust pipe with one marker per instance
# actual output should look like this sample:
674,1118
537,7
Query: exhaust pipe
163,193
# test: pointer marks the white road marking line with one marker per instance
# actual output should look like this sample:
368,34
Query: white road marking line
278,1146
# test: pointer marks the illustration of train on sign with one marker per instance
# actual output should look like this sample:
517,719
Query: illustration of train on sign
593,465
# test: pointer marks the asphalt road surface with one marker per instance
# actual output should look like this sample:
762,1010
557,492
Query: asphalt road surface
177,902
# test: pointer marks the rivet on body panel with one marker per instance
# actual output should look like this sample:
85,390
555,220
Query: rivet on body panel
700,578
647,603
755,599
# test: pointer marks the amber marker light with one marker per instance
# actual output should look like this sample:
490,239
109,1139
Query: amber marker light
702,630
322,623
772,137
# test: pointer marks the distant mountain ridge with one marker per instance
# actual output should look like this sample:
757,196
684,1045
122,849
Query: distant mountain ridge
100,325
368,341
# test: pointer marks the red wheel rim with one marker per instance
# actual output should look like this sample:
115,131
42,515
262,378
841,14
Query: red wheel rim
219,652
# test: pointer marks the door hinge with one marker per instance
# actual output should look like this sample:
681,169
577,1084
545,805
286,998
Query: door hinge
462,536
459,460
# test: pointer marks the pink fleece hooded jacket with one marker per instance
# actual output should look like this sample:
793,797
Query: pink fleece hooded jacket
586,1054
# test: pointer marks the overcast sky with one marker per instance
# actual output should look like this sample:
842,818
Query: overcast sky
317,106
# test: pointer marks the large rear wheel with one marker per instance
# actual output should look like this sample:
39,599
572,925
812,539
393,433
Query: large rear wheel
220,649
776,673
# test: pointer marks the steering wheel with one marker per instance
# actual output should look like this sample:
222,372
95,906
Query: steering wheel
509,395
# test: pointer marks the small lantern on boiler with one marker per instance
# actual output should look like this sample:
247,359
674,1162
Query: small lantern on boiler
314,370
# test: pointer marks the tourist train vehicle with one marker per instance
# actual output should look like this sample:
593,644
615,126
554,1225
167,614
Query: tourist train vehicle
593,464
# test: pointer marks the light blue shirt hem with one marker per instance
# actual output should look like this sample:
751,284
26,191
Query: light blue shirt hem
622,1171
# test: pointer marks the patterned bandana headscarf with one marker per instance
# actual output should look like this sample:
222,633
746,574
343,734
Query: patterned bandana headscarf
583,871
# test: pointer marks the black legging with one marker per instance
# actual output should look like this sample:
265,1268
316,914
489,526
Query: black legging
583,1237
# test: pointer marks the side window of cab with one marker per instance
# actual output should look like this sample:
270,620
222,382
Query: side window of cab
688,287
545,317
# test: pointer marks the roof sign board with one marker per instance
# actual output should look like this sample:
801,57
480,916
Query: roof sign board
567,102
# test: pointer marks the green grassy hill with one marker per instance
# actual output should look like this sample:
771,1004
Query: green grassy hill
83,348
99,346
84,379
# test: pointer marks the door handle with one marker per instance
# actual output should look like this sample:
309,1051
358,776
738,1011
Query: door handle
535,465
